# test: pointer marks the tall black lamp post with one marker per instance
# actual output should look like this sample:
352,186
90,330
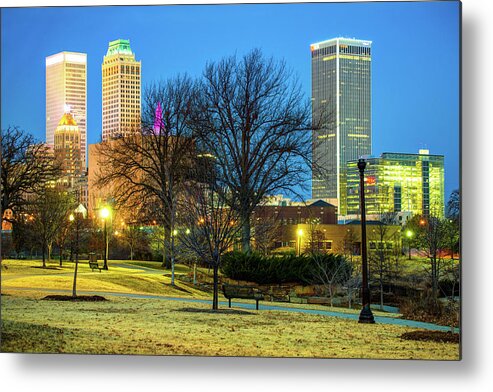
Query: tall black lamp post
366,316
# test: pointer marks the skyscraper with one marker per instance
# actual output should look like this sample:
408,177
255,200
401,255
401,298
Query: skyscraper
68,150
341,97
66,89
121,91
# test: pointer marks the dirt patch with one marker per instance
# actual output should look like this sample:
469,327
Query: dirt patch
218,311
432,336
79,298
48,268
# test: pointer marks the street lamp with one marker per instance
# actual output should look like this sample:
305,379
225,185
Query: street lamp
366,316
71,219
409,235
300,234
105,213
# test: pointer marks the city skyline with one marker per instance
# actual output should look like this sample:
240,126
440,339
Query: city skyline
401,122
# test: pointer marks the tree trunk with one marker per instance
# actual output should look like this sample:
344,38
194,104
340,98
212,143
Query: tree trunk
49,252
434,278
215,296
44,254
74,288
381,294
245,234
61,255
172,256
165,263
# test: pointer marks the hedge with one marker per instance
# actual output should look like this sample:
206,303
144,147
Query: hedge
254,267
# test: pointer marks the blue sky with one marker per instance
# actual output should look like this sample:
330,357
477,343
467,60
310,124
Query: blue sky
415,58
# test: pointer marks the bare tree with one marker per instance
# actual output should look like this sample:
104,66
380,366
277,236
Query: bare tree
330,270
61,238
149,167
347,245
209,225
453,206
431,236
253,118
380,257
315,237
132,236
266,229
452,231
352,285
50,211
26,167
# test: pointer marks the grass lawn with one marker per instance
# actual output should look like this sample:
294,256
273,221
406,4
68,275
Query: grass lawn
156,327
161,327
116,279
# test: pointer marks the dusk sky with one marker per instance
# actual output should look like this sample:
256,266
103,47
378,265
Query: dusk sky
415,58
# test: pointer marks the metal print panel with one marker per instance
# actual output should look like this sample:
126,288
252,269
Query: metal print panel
266,180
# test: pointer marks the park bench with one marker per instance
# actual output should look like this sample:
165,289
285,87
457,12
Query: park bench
242,292
93,262
94,265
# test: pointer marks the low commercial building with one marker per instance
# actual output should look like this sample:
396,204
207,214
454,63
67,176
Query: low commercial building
343,239
396,183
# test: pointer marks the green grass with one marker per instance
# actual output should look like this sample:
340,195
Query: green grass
155,327
116,279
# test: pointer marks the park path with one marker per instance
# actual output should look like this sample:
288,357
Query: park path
378,319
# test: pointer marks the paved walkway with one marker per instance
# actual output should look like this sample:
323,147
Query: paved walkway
378,319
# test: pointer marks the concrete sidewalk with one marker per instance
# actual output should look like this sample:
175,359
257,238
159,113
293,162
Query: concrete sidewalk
331,313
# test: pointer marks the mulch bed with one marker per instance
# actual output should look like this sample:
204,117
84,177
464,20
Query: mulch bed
218,311
432,336
79,298
49,268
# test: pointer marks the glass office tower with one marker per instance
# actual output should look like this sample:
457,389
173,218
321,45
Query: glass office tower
121,91
396,183
66,90
341,111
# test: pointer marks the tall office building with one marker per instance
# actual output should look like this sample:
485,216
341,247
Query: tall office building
121,91
396,183
341,107
66,89
68,150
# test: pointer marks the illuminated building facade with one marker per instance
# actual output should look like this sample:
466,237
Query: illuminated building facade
68,150
396,183
66,88
121,91
341,96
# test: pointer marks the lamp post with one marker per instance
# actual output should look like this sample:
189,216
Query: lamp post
365,316
105,213
300,234
71,219
409,235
